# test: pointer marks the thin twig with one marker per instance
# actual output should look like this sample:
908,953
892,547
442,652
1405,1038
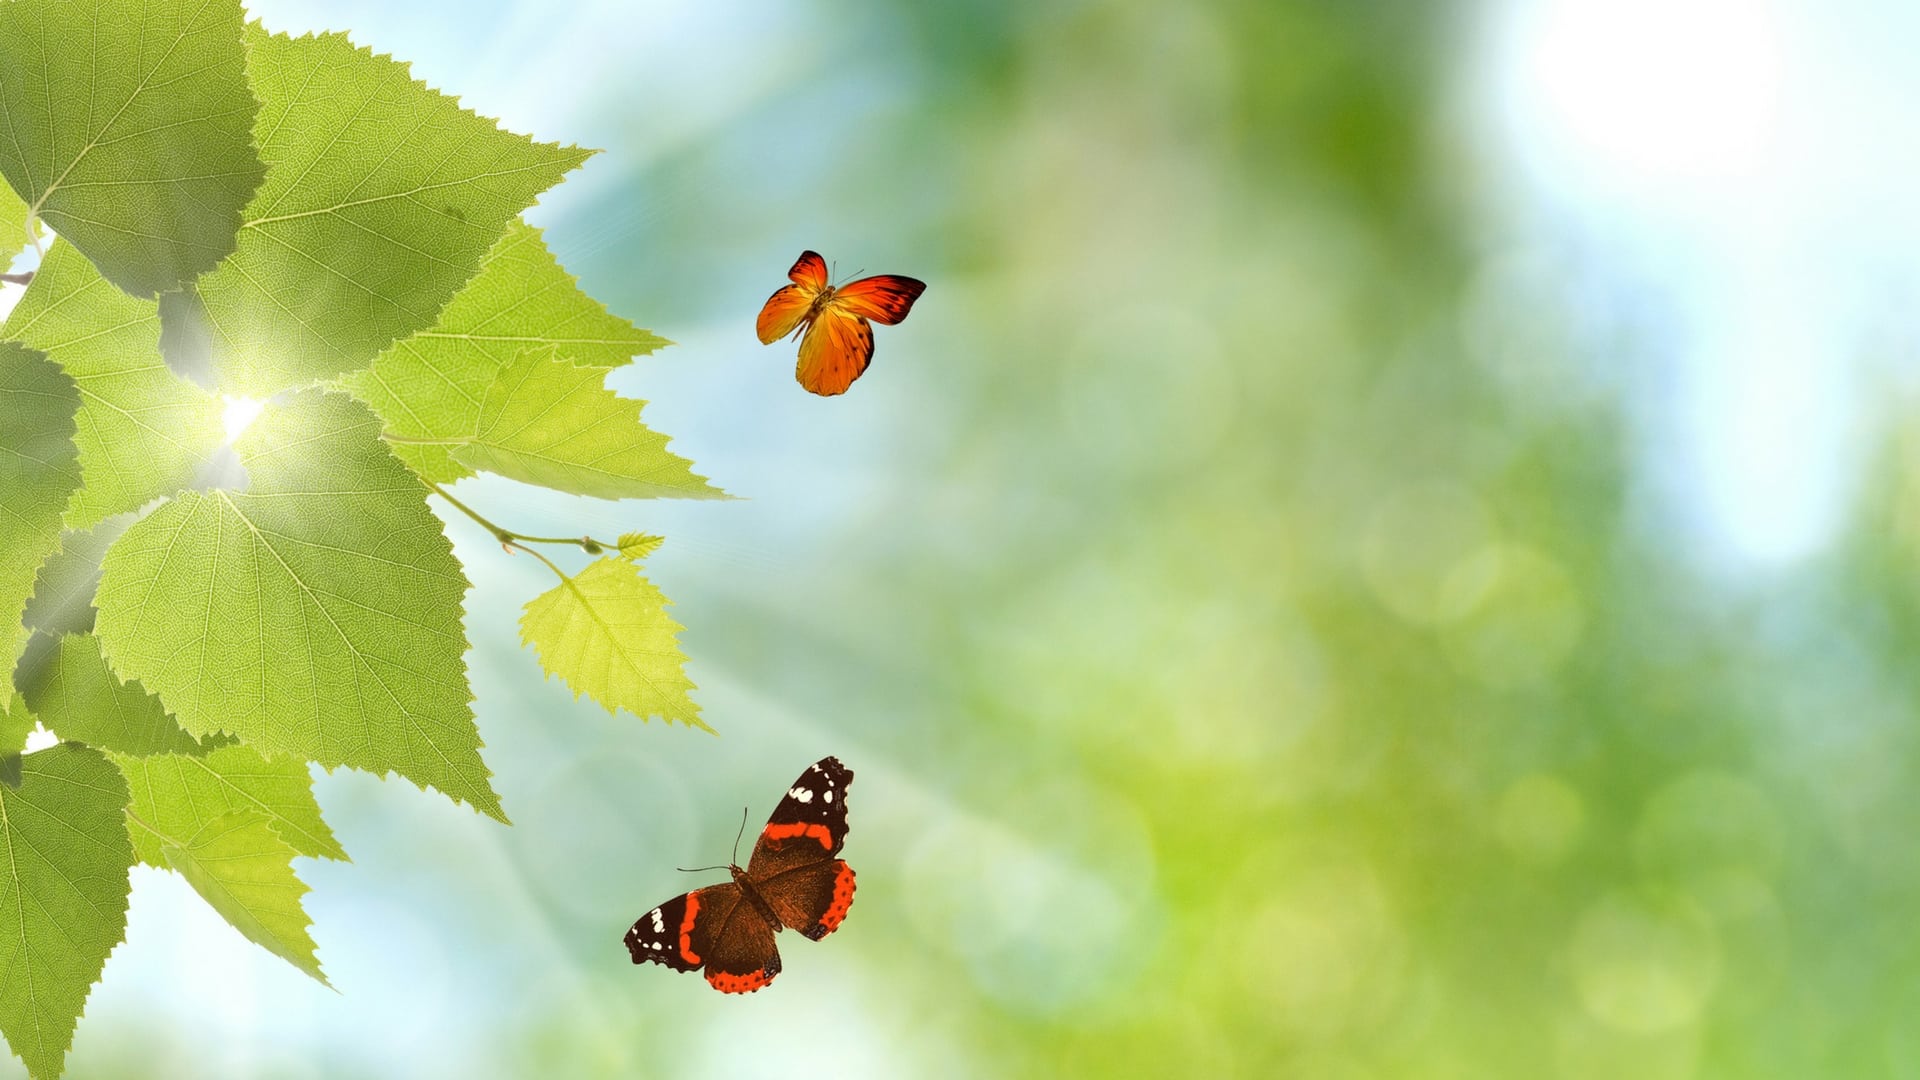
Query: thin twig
513,540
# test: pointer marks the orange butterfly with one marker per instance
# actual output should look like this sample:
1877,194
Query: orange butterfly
838,342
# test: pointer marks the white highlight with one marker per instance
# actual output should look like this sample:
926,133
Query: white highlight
1755,199
239,415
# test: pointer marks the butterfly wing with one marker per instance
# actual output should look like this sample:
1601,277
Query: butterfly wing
812,898
716,928
789,304
835,350
885,299
783,311
793,866
809,270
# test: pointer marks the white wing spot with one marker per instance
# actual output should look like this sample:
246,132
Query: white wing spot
801,794
829,796
659,924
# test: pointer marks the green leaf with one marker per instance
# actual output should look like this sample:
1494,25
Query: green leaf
143,431
130,130
431,385
637,546
62,601
174,795
607,634
78,698
549,422
13,225
16,723
383,197
63,896
38,474
317,613
244,870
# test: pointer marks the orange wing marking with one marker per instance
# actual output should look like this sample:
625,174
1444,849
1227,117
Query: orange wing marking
799,828
686,930
738,984
842,900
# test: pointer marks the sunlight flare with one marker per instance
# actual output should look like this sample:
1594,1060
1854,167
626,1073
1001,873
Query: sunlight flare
240,414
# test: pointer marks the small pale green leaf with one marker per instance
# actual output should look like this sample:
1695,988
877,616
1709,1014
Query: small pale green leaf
383,197
129,130
78,697
241,867
38,474
175,794
143,432
549,422
430,386
607,634
637,546
63,896
317,613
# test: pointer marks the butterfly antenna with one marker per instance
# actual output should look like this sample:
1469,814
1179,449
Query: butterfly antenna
736,849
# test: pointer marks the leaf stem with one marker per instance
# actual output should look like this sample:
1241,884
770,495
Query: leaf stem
562,573
510,539
23,278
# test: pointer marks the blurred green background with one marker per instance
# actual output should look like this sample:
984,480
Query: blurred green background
1385,550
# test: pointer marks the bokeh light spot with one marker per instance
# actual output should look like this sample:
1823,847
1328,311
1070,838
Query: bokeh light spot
1540,818
1644,963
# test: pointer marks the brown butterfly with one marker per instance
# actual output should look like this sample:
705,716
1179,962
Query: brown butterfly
838,343
793,881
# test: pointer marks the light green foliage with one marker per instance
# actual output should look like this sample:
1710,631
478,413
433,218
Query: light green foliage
383,197
245,215
431,385
607,634
317,613
636,546
546,421
240,866
129,130
77,697
174,795
143,431
38,474
63,896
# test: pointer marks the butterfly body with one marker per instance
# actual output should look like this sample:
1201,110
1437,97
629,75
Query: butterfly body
834,322
792,881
